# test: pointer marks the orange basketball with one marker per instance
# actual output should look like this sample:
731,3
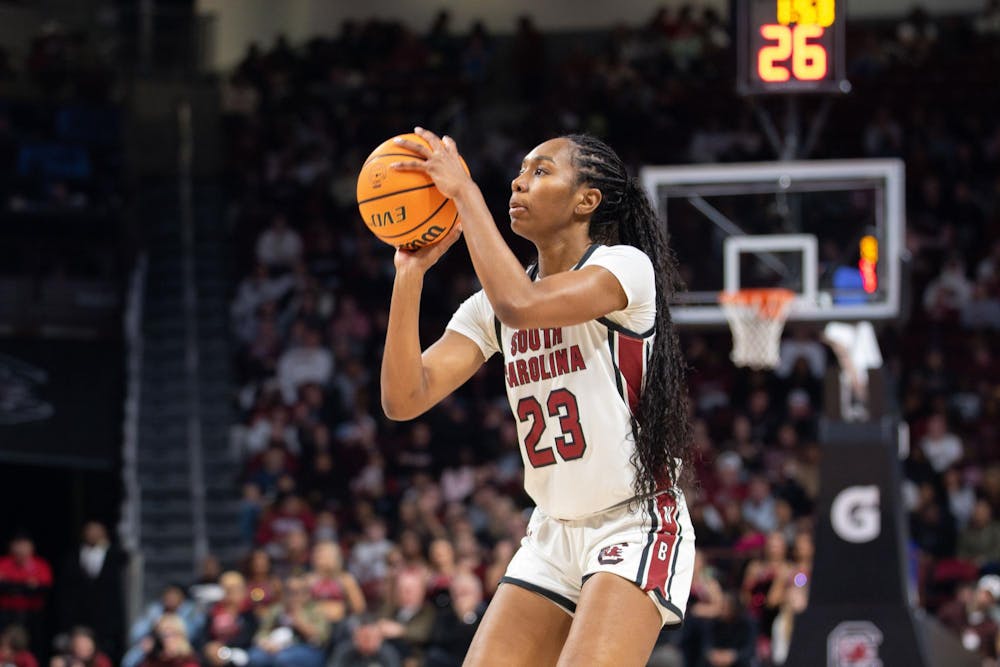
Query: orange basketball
403,208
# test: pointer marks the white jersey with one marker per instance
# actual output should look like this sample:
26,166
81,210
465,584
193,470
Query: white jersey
573,390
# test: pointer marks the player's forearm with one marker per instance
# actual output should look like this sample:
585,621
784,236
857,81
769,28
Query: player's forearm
501,274
403,378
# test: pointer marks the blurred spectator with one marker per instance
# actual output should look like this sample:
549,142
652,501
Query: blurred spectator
883,136
307,362
273,431
759,508
251,506
784,623
292,557
275,463
231,623
253,292
334,591
931,529
368,557
458,483
947,294
799,345
25,582
407,619
169,645
503,552
14,647
279,246
441,558
239,97
263,584
79,650
456,623
91,589
367,648
730,636
764,582
972,616
205,590
961,496
704,604
173,602
323,482
326,527
290,515
979,542
942,448
292,632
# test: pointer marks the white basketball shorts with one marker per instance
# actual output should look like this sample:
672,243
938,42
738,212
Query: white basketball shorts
652,546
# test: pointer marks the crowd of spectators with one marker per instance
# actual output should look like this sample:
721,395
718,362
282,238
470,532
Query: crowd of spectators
82,599
61,183
373,542
59,124
432,510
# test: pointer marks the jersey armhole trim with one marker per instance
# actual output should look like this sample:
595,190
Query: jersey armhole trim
496,327
624,330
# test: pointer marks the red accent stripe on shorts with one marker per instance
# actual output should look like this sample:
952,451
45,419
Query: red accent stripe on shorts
666,538
630,353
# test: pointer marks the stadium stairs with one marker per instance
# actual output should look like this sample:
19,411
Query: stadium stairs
178,498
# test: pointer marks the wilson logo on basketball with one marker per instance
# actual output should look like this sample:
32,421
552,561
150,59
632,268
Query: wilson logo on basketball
613,554
390,217
425,239
376,175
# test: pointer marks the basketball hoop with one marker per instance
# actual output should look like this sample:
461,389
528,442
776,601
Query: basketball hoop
756,318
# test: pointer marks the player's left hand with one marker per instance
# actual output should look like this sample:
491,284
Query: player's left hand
441,162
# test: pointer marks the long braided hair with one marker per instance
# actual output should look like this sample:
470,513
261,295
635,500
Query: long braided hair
625,216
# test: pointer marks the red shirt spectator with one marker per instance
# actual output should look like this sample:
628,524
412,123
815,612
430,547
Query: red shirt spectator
14,648
291,514
25,578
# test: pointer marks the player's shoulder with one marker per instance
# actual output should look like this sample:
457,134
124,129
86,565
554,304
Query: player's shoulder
623,261
623,251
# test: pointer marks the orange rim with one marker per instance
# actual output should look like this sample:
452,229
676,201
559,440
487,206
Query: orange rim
769,302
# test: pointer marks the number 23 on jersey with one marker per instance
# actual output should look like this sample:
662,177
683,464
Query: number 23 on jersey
569,442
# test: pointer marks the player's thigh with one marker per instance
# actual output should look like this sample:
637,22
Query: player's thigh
519,628
616,623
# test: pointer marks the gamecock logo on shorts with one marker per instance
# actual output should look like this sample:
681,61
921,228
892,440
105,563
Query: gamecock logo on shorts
613,554
854,644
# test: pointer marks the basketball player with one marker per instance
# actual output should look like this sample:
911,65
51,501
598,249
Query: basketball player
596,383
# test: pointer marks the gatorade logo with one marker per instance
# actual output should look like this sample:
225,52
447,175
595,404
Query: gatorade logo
855,514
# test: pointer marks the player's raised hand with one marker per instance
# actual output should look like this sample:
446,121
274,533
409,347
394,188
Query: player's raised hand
442,162
424,258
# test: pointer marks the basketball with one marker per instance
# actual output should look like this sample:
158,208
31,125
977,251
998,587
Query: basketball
403,208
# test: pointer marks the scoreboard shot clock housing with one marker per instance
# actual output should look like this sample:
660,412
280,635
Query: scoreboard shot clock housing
791,46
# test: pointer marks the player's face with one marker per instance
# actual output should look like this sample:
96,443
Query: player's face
545,192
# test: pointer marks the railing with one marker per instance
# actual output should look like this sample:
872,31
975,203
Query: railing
130,524
196,476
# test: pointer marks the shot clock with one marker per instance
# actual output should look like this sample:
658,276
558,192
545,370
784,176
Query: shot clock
791,46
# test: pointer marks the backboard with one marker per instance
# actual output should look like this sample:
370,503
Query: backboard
831,231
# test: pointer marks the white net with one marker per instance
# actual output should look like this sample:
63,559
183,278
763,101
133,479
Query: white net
756,319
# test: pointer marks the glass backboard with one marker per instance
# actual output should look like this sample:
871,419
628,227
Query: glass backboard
831,231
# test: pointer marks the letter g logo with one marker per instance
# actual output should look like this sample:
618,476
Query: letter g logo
855,514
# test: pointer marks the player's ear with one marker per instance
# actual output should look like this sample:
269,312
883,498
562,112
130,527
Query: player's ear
590,199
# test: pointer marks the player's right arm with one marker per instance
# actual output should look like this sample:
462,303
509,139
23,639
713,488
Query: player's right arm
413,381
